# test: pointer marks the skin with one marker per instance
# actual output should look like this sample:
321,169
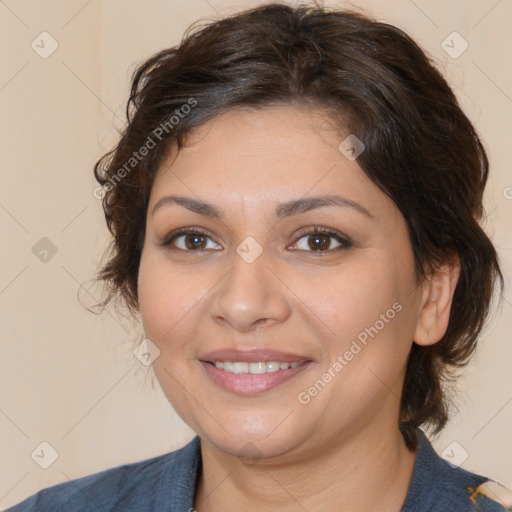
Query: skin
343,449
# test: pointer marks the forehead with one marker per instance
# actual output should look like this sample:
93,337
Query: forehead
273,154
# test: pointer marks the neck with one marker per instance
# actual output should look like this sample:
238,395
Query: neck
368,467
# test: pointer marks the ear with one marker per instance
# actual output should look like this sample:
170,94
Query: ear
438,290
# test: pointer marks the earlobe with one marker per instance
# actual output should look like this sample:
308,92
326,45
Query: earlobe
439,289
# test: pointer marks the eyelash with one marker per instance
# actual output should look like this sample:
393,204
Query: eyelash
315,230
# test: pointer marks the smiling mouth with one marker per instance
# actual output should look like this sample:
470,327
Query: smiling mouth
255,368
252,378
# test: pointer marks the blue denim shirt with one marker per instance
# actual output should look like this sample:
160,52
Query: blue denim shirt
167,483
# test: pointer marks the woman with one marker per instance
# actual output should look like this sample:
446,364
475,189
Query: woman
295,206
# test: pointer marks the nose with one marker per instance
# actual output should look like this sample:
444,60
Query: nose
250,295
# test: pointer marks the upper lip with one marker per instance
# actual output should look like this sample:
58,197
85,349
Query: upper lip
251,356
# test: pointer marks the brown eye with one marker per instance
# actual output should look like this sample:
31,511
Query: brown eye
189,240
320,239
193,241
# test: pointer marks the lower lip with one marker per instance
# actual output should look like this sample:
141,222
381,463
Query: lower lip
249,383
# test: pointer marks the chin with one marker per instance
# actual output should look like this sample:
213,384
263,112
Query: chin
252,445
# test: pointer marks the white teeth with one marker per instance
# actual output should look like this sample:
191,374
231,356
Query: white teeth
254,368
239,367
272,366
258,367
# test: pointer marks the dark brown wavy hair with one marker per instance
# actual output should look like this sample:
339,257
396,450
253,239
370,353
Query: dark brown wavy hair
376,82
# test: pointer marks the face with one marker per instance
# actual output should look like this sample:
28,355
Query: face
316,300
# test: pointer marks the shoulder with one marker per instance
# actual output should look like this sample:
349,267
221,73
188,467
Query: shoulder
132,486
438,486
469,491
494,495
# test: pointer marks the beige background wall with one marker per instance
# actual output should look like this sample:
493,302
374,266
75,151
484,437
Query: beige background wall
68,377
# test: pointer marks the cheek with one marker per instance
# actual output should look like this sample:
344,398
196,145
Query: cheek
166,298
368,309
355,297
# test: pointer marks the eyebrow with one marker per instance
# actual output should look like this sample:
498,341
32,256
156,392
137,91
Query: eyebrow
285,209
